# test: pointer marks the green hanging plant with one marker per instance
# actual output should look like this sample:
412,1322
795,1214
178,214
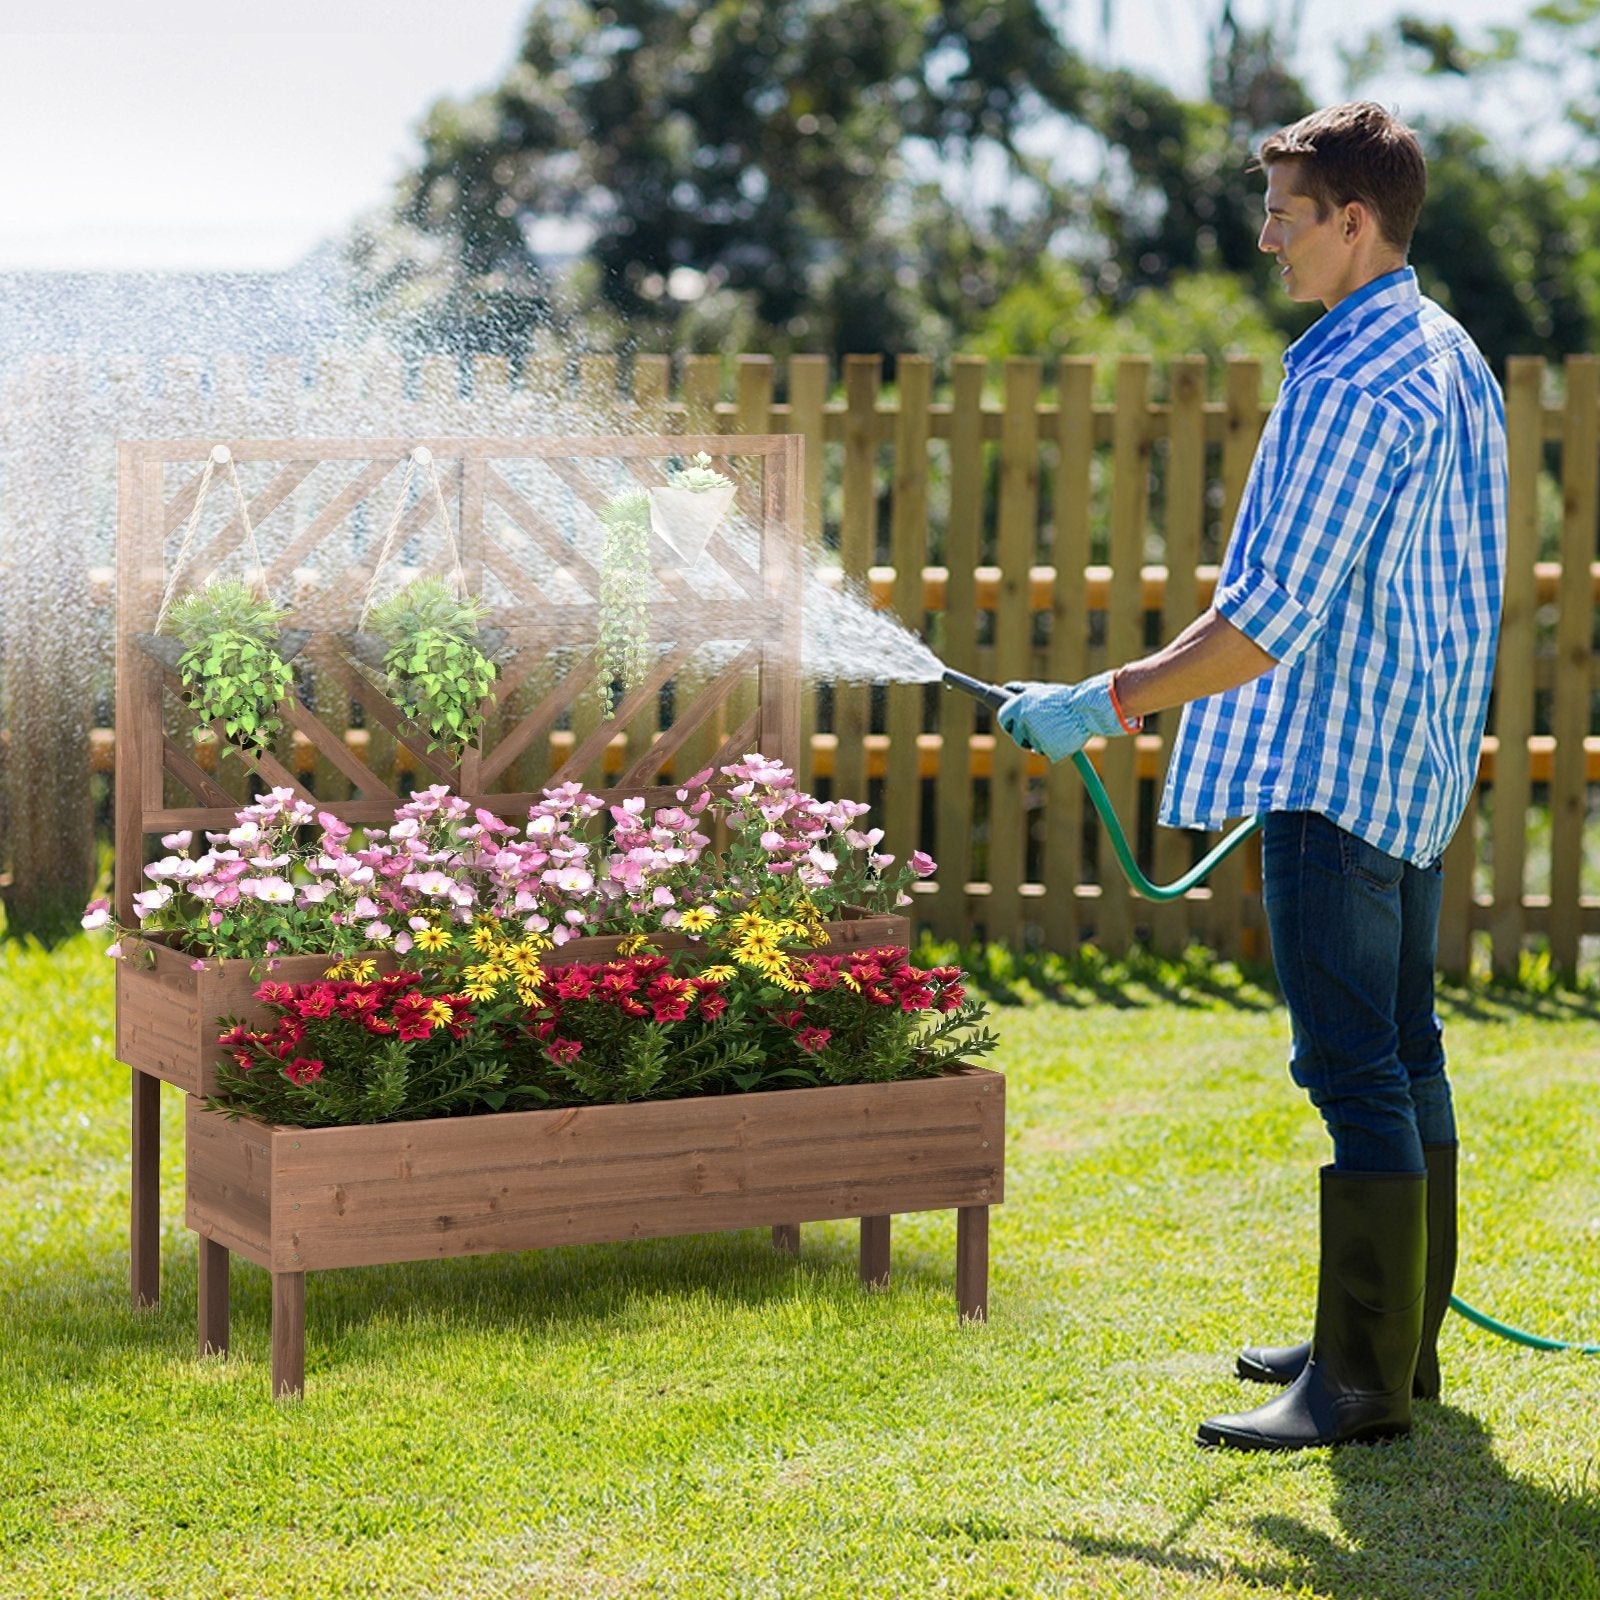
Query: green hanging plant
230,665
624,646
437,676
682,514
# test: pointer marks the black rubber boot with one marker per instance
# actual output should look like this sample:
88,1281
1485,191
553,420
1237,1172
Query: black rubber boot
1356,1385
1282,1363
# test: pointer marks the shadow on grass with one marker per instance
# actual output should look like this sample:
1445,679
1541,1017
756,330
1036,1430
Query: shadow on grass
1434,1515
75,1327
1196,980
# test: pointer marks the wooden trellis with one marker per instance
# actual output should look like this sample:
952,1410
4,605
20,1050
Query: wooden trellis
524,513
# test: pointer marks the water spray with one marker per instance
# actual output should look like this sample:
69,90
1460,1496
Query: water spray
995,696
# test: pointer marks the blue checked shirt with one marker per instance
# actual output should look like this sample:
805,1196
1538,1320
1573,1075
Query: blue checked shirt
1368,559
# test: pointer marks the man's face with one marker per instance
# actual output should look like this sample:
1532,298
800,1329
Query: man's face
1315,257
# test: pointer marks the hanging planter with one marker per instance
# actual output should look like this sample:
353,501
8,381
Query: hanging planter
424,644
683,514
226,641
432,659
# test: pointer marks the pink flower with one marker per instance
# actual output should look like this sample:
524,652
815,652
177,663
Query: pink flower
923,864
561,1051
97,914
811,1040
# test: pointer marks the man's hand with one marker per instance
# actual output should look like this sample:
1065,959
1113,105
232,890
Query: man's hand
1058,719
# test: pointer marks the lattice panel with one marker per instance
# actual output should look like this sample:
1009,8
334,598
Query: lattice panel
724,631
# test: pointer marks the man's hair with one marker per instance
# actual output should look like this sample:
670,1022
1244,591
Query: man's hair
1356,151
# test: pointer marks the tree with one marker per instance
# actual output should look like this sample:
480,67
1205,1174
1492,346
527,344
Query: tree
739,160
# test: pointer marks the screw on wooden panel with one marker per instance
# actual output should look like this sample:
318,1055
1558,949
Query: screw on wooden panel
296,1255
296,1145
982,1191
985,1146
297,1203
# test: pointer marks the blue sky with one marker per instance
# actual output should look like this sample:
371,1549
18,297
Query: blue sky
211,133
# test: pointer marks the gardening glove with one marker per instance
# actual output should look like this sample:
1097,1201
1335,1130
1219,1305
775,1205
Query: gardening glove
1058,719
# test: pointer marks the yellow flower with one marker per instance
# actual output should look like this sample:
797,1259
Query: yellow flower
523,961
480,989
697,919
357,971
719,973
486,935
849,982
433,939
439,1011
785,979
748,922
528,993
634,944
486,974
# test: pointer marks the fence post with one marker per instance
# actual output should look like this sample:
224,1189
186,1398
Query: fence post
1185,500
1130,502
857,537
1569,722
908,551
1068,656
1514,668
1016,544
808,393
959,647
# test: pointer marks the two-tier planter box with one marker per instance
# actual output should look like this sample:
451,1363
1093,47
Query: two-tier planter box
298,1200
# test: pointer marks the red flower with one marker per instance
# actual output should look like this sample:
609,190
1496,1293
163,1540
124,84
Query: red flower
561,1051
304,1069
237,1035
712,1005
316,1000
245,1060
272,993
811,1040
573,984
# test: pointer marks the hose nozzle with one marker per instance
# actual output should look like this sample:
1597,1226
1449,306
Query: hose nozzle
990,694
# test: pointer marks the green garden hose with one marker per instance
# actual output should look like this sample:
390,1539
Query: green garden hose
993,696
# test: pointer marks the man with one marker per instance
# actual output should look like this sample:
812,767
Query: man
1339,685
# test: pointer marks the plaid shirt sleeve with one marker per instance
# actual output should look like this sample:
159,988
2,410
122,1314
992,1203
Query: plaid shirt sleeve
1326,474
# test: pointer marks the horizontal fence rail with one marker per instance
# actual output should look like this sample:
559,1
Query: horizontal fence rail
1027,521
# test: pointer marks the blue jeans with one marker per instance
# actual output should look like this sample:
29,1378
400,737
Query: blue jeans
1354,937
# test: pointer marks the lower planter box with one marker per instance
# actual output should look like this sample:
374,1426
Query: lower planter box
298,1200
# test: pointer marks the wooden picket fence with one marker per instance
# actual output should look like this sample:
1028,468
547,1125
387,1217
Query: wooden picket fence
1025,521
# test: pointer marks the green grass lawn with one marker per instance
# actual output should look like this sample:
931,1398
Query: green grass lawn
702,1417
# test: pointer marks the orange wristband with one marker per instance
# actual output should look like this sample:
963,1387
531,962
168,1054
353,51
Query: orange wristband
1116,706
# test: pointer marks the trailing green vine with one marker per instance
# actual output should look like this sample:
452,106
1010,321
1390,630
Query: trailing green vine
624,645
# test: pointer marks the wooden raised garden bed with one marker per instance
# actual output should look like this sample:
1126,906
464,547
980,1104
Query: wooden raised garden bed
298,1200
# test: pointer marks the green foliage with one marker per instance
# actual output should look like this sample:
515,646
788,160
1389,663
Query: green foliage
623,655
437,675
1049,313
230,670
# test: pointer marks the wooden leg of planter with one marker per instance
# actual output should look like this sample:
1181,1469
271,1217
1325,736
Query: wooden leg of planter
786,1237
213,1298
875,1252
288,1335
972,1263
144,1222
